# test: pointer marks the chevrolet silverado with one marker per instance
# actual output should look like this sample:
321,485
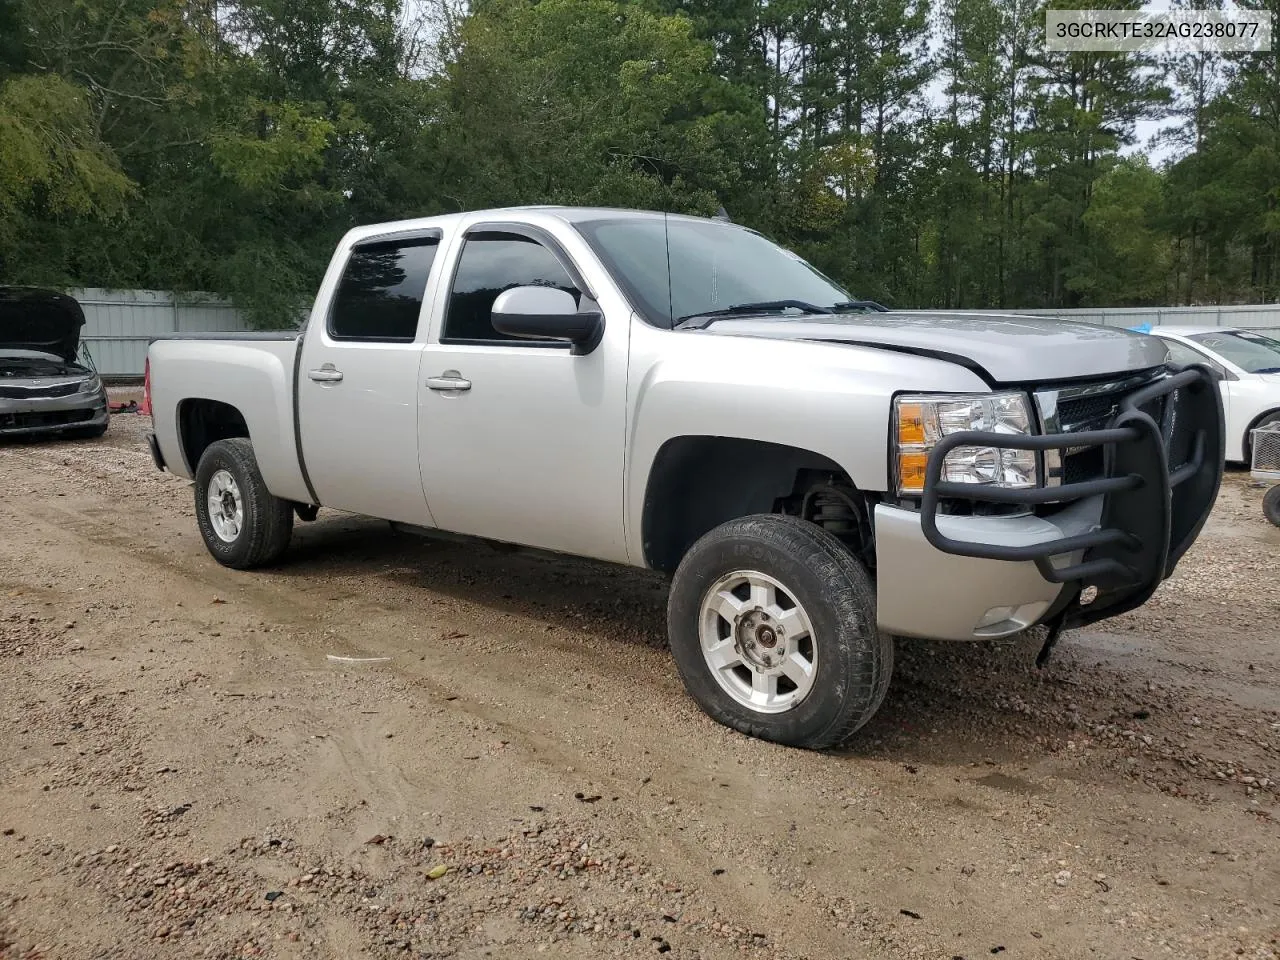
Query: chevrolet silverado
817,474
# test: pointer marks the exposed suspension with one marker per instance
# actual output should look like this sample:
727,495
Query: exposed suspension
840,511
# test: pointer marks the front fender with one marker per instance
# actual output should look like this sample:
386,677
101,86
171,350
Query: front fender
830,399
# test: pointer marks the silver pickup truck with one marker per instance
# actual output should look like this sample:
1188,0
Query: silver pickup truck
817,474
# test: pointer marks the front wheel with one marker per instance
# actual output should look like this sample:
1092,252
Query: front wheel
1271,505
773,628
242,523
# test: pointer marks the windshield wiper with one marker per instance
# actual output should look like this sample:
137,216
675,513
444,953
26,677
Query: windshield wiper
850,305
1268,370
738,309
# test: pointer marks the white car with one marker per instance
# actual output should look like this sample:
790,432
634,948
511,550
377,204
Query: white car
1250,366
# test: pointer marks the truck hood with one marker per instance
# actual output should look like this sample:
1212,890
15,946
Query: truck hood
1004,348
43,321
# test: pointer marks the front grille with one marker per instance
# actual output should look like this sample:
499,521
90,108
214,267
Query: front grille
1088,412
1088,464
1073,409
33,393
57,418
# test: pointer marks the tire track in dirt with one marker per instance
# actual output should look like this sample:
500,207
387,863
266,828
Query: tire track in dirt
562,660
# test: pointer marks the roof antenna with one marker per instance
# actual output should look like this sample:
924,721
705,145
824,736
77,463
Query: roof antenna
722,214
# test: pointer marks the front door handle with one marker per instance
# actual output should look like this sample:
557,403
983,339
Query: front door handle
327,373
449,380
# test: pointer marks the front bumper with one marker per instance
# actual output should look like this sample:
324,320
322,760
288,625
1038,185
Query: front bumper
50,415
1123,533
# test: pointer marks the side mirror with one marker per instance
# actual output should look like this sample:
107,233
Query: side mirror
546,313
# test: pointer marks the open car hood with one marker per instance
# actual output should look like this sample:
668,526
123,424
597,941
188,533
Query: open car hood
42,320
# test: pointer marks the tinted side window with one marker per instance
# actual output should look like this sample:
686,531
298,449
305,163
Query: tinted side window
380,294
489,264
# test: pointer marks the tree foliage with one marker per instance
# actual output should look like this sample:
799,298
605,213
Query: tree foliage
583,101
924,152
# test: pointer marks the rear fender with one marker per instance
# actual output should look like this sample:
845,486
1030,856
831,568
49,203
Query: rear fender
254,377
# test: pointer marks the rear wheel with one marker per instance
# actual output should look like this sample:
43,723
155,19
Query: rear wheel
242,524
1271,505
773,628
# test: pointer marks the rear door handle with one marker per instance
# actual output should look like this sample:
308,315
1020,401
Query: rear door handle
326,374
448,381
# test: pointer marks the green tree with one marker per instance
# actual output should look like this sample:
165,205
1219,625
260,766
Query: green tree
584,101
53,170
923,156
966,156
1129,256
1084,109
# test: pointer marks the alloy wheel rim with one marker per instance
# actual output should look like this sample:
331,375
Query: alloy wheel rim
758,642
226,506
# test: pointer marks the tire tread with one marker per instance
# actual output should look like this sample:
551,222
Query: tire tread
852,594
268,519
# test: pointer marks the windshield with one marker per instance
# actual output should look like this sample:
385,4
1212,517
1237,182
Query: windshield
1251,352
711,267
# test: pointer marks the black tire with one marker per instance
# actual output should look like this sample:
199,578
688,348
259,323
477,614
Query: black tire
1248,434
854,660
268,521
1271,505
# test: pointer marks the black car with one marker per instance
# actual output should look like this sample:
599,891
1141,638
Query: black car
44,388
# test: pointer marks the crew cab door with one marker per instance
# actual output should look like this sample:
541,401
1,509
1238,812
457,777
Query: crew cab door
522,440
358,381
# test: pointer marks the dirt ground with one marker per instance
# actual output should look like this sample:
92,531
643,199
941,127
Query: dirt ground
186,772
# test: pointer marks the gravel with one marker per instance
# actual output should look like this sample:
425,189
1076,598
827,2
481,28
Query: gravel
188,774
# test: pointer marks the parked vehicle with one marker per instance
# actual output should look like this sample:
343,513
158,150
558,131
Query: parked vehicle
817,474
1248,365
45,387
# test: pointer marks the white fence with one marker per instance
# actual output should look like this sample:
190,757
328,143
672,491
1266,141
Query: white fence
120,323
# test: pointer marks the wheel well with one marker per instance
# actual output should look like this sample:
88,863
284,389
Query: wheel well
202,422
698,483
1248,431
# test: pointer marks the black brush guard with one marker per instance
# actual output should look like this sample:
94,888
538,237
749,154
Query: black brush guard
1152,510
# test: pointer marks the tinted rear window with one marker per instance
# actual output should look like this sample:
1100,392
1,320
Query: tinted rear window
380,294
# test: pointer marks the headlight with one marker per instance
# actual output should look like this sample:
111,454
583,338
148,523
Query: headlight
92,385
922,421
